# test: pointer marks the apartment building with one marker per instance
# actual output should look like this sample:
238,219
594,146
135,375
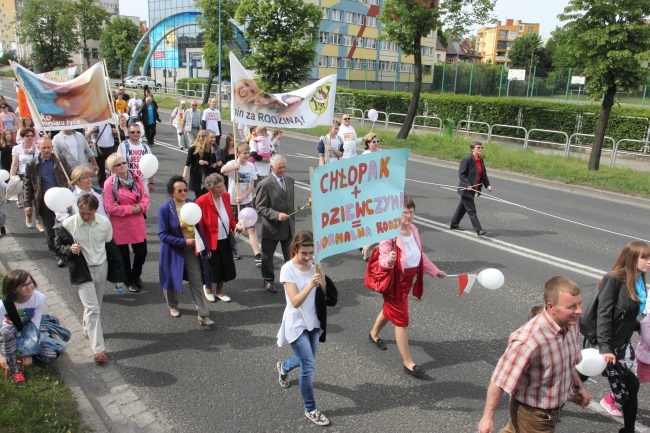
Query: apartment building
494,43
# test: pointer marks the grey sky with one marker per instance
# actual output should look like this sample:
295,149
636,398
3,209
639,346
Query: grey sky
543,12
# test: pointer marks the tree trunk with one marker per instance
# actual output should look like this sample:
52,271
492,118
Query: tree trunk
417,88
599,135
206,97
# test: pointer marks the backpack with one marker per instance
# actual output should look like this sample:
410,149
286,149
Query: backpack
589,316
379,279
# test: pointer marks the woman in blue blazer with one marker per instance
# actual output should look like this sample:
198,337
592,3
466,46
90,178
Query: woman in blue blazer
179,259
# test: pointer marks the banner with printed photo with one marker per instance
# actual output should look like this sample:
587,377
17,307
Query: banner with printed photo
302,108
60,75
357,201
79,103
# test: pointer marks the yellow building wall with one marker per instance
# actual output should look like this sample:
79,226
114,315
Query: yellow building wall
487,39
7,17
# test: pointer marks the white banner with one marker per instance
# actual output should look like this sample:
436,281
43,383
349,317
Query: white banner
302,108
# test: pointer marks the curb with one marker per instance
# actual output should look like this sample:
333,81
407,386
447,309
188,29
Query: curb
106,402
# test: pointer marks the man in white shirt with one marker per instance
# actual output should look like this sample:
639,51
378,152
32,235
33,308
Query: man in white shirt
133,150
191,122
104,138
349,137
211,119
135,104
74,147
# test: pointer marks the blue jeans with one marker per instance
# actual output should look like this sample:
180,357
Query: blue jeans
305,348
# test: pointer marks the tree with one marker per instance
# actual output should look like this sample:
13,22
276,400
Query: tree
208,21
408,21
50,27
283,36
116,45
525,52
607,38
90,21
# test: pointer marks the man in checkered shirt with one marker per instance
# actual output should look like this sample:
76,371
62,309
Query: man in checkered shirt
538,366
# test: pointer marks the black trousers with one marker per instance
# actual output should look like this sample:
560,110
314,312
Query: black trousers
268,250
49,219
139,255
466,205
150,133
102,154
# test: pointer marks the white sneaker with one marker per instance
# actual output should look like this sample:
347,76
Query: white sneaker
317,418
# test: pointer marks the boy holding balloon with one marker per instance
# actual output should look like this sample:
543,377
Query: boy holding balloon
241,182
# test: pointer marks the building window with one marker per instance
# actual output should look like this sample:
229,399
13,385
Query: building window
427,51
324,37
326,13
360,42
348,40
450,60
406,67
336,39
371,43
349,17
437,56
386,66
345,63
337,15
521,28
530,29
373,2
360,64
512,34
503,34
361,19
93,53
371,64
333,62
371,21
322,61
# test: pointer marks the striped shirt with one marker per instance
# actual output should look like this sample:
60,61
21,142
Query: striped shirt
537,364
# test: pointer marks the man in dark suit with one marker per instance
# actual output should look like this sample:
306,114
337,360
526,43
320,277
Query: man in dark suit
274,203
41,174
472,175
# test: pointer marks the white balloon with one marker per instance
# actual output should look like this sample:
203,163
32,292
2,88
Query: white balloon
4,175
58,199
373,115
491,278
191,213
590,353
592,366
148,165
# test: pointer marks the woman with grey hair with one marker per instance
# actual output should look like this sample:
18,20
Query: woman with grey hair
217,224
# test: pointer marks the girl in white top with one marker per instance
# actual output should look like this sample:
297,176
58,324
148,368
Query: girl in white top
176,120
242,178
300,324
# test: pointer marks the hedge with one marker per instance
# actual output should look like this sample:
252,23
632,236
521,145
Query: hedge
624,122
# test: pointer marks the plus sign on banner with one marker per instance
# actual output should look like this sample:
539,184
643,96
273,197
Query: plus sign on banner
357,201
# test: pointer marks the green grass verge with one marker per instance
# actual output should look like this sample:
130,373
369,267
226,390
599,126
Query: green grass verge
44,404
568,170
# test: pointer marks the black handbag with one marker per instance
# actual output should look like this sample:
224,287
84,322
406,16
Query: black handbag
231,235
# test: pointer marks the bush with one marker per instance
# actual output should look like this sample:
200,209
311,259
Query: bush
624,122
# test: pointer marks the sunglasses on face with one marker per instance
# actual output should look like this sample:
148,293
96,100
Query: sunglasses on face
375,141
134,132
28,135
119,164
346,118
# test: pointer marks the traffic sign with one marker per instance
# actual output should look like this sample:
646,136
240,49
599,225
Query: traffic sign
34,56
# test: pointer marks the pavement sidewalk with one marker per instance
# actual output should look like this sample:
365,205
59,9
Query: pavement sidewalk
105,401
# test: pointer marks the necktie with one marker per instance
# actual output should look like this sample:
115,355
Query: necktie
284,188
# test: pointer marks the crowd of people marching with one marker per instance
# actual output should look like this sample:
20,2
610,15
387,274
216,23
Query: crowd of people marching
102,239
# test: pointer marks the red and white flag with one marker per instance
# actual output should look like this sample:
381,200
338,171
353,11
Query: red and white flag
465,283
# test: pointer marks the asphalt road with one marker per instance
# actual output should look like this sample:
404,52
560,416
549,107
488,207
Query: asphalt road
223,378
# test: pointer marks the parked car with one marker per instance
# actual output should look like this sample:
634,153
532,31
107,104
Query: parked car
140,81
119,83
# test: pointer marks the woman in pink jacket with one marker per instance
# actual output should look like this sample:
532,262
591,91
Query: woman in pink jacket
126,200
405,252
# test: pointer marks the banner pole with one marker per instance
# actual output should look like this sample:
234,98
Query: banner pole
319,267
108,89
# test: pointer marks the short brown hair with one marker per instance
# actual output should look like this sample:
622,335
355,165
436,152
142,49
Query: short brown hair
88,201
555,285
13,280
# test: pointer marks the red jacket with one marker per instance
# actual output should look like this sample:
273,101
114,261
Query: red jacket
210,222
